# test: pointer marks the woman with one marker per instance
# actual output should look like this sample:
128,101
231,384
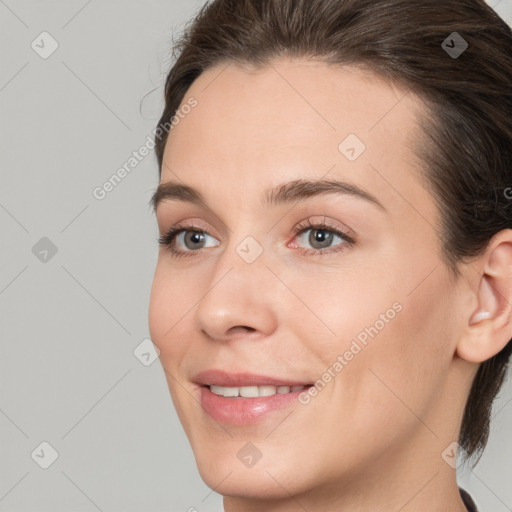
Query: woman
332,298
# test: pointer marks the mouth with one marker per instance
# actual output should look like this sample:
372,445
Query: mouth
243,398
253,391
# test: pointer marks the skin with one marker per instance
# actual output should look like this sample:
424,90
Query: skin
373,437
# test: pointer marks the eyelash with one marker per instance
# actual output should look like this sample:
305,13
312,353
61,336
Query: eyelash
168,239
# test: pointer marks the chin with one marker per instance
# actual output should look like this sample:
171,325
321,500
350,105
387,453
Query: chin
262,483
226,468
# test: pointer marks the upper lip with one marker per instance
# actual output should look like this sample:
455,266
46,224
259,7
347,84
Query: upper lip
225,379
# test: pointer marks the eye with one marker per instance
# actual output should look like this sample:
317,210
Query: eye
184,240
322,236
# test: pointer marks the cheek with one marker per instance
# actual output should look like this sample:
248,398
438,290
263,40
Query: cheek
168,305
167,315
408,361
428,327
391,368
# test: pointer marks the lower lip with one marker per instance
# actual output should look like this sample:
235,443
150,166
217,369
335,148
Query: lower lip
244,411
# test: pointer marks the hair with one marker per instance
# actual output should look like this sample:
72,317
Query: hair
466,146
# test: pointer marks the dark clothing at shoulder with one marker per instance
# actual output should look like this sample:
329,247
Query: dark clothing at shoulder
468,500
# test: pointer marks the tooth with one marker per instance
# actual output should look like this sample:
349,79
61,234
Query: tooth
253,391
267,390
249,391
218,390
230,391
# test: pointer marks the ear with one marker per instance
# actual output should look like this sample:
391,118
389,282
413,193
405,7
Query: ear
489,327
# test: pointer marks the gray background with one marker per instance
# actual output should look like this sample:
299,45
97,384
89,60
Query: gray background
70,324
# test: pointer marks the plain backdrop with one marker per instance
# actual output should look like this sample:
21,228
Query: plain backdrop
80,90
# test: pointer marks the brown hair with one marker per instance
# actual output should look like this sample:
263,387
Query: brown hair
467,144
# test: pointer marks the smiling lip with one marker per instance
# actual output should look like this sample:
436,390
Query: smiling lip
238,410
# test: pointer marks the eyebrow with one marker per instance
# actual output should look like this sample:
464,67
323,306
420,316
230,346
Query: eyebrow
285,193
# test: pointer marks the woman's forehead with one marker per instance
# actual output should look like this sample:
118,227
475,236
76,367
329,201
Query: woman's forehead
252,131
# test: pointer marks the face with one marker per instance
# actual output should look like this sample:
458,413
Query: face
325,304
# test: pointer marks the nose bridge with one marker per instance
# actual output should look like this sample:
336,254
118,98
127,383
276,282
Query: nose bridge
243,255
237,295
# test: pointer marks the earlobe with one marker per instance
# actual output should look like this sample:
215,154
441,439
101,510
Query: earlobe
489,327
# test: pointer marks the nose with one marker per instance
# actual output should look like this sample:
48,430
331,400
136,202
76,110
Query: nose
239,301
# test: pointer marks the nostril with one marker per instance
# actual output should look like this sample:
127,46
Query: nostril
242,327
